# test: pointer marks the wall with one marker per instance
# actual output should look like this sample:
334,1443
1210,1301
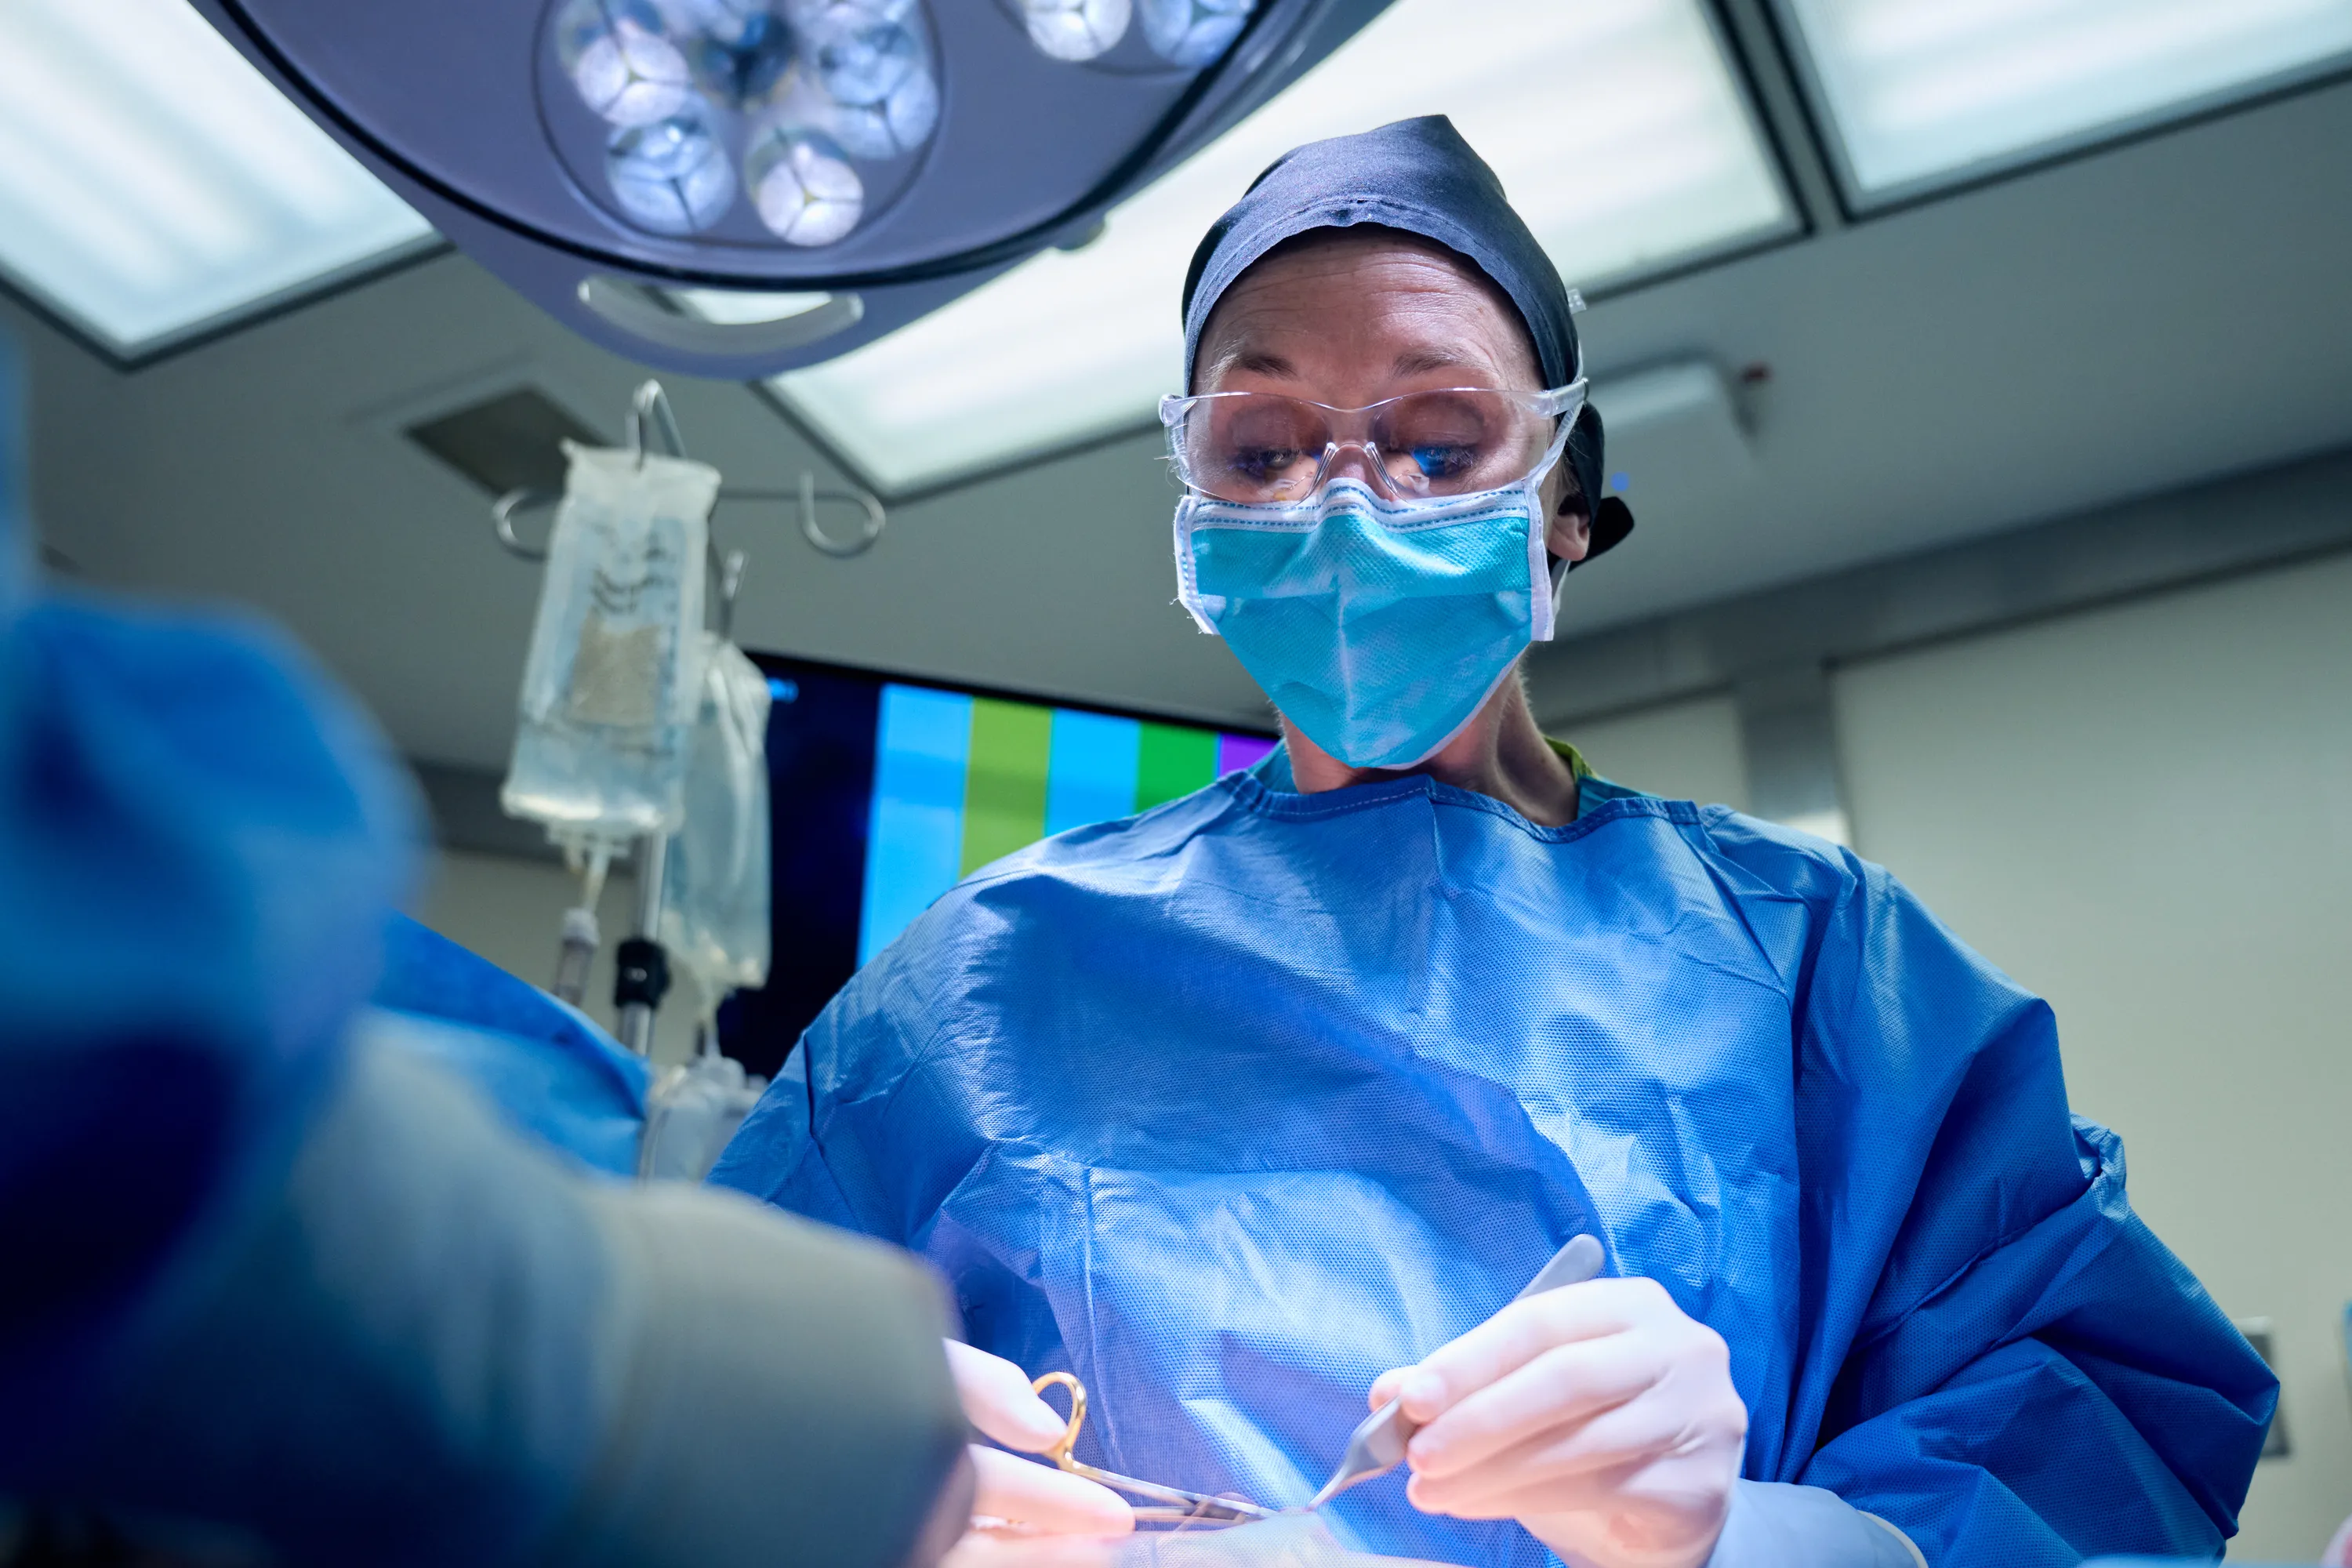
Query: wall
1685,751
2145,813
512,911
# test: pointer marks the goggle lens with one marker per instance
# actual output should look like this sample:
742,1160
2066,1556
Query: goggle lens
1263,447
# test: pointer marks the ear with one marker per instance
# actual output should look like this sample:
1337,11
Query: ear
1568,536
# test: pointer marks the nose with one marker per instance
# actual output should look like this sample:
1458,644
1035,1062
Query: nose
1358,460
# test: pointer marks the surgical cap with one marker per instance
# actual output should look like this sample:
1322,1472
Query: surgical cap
1421,177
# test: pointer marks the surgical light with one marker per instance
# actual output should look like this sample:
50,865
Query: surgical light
866,62
153,184
806,191
673,176
891,125
622,61
1616,126
802,97
1192,32
603,156
1922,94
740,57
1075,29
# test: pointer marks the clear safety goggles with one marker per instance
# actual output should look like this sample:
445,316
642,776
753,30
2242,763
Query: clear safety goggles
1263,447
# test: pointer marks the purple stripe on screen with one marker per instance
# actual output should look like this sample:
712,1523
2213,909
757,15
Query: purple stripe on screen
1240,750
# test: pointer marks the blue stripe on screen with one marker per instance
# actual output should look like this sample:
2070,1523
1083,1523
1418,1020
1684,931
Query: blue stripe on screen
916,839
1091,774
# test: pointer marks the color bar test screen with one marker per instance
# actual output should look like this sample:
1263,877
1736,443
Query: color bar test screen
883,794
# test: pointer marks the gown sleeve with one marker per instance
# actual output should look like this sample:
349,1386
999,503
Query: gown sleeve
784,1152
2000,1358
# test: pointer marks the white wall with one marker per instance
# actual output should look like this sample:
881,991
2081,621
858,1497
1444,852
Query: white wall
511,912
1684,751
2144,814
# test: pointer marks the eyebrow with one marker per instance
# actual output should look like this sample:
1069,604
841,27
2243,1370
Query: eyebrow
1414,362
1260,361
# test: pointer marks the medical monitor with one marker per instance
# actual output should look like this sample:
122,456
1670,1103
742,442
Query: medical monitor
883,792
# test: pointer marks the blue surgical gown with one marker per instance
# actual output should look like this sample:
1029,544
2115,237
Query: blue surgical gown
544,1065
1228,1106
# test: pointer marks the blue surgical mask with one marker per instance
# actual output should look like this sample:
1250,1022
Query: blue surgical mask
1378,626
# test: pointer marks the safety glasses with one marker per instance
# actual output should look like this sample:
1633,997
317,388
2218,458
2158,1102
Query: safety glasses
1262,448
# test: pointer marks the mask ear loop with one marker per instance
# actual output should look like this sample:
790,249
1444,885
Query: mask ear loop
1540,562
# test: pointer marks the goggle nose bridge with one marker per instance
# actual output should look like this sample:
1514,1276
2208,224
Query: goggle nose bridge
1372,460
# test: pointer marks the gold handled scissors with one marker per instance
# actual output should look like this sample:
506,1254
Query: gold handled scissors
1177,1506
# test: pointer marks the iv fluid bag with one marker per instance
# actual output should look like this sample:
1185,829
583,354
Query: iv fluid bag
714,917
614,676
691,1113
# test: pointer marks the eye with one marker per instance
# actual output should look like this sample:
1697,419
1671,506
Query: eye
1444,462
1264,462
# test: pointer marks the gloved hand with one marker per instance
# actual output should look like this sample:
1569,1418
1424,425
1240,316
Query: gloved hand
1598,1415
1037,1498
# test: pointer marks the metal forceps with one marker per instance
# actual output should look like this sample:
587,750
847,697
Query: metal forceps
1177,1506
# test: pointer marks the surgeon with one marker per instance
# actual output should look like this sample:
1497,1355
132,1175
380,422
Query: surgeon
276,1286
1256,1109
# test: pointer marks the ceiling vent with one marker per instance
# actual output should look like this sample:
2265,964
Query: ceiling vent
510,442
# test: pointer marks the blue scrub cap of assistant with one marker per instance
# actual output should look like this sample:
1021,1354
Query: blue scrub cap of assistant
1419,176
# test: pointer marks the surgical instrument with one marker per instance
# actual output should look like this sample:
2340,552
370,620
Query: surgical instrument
1178,1507
1377,1447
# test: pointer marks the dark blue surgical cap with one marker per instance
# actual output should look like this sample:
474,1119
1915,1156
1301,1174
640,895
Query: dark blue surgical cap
1421,177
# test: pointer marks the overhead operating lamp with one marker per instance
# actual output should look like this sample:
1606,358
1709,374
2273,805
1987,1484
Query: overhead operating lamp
1926,94
868,160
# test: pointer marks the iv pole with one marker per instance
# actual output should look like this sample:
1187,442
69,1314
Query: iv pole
641,975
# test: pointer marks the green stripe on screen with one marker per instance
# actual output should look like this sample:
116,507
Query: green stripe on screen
1172,761
1004,783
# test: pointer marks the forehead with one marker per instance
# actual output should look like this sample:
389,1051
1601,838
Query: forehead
1360,306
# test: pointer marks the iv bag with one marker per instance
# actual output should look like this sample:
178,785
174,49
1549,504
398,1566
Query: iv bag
691,1113
714,919
615,675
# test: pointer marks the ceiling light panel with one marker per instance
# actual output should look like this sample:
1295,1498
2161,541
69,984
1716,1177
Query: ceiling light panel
1926,93
1615,126
152,182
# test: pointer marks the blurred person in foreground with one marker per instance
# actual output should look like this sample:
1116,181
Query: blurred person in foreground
280,1287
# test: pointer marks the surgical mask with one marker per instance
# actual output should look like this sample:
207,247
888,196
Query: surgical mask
1378,625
